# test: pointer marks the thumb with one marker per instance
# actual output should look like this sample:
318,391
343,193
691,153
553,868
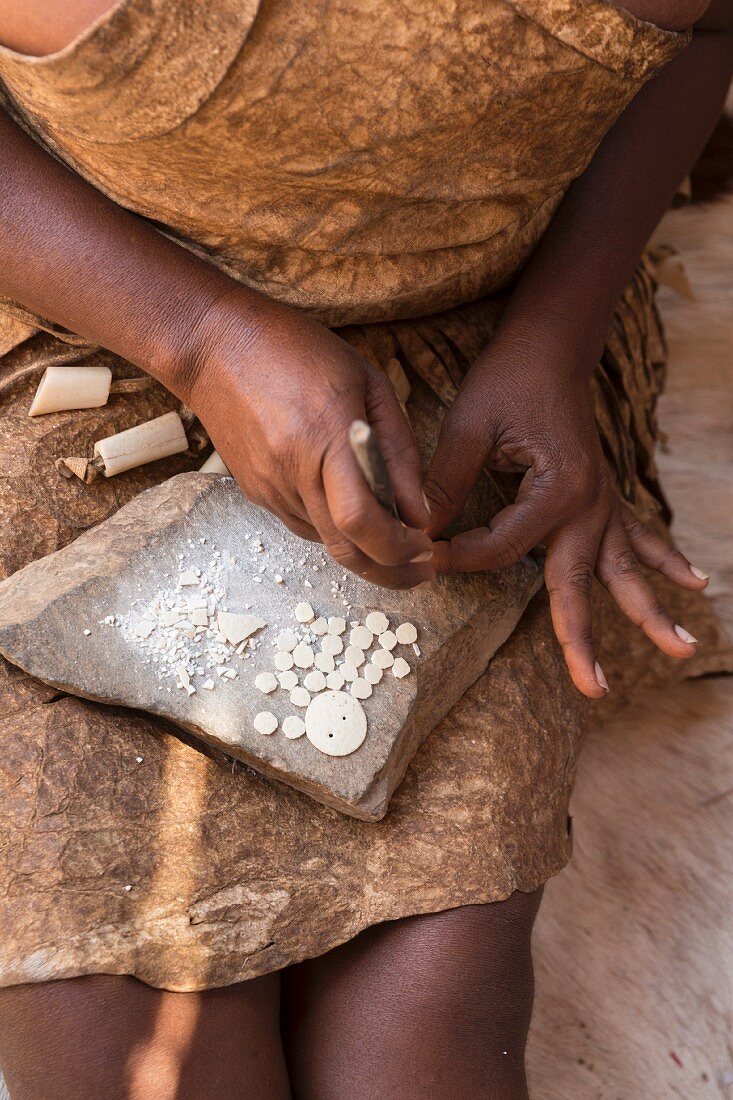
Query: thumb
399,448
461,453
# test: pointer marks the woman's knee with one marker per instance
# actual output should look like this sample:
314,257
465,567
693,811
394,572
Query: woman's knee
114,1037
673,15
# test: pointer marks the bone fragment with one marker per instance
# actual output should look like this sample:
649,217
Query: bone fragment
64,388
144,443
214,465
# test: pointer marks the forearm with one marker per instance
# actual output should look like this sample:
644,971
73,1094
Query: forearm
573,280
73,256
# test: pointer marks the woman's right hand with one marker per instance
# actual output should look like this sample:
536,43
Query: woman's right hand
277,393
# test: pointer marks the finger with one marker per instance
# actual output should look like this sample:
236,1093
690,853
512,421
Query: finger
361,519
399,447
350,557
460,455
619,570
513,532
652,550
571,556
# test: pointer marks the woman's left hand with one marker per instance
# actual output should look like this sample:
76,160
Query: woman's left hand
526,405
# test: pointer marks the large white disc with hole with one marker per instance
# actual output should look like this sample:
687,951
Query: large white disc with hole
335,723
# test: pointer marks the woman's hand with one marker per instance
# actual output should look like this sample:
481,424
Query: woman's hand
526,406
277,393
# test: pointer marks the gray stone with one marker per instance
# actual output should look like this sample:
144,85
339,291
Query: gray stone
46,608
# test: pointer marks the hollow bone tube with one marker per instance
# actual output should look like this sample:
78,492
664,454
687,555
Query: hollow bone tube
144,443
64,388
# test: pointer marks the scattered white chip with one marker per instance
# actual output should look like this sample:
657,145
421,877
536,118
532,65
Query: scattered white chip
199,616
284,660
191,690
87,633
361,637
406,633
266,682
335,723
354,656
231,674
400,668
265,722
288,680
319,626
293,727
349,672
372,674
377,622
382,658
361,689
183,678
303,655
315,680
416,649
287,641
144,629
304,613
299,697
332,644
171,617
336,625
324,661
335,680
188,578
388,640
209,685
236,628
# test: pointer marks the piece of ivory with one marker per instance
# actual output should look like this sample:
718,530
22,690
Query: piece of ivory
144,443
64,388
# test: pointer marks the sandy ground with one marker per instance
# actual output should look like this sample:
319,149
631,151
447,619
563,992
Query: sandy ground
634,943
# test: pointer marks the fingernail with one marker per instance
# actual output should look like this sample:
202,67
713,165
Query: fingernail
425,556
699,574
685,635
426,502
600,677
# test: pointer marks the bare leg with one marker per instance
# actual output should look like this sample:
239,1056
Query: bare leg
434,1006
109,1038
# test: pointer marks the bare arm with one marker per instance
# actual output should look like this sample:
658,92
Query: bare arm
526,403
275,390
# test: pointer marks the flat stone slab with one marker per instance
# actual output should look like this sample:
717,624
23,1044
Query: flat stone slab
77,620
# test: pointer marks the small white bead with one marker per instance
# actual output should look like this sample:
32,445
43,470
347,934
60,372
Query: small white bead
303,655
315,681
336,625
388,640
406,633
372,674
400,668
361,689
283,661
304,613
266,682
299,697
332,644
288,680
361,636
354,656
377,622
293,727
265,722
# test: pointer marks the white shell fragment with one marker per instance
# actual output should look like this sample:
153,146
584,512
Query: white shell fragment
354,656
144,443
236,628
265,722
372,674
188,577
315,681
293,727
324,661
200,616
215,465
332,644
335,723
287,641
377,622
303,655
361,689
388,640
144,629
299,697
284,660
266,682
288,680
336,625
406,633
361,637
64,388
335,680
304,613
400,668
382,658
319,625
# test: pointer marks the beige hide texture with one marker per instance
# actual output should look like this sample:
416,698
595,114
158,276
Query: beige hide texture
634,943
